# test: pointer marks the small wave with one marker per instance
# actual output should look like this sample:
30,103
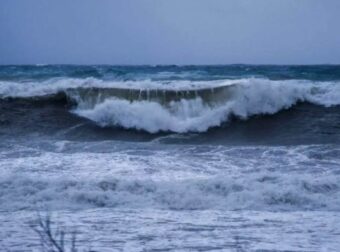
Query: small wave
254,193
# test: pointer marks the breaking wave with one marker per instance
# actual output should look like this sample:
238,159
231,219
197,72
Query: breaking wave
257,193
177,106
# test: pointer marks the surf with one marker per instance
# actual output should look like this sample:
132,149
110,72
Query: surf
173,106
197,110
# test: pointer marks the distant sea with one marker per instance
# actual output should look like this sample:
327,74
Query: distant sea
172,158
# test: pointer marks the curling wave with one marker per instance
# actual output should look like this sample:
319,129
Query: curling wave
177,106
201,109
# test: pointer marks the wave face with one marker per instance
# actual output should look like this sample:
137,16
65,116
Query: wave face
204,108
175,106
161,100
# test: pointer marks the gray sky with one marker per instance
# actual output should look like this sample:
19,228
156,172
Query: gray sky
169,31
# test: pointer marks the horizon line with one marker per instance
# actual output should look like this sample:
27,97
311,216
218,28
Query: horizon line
168,65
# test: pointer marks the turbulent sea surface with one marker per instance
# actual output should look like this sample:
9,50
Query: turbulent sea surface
172,158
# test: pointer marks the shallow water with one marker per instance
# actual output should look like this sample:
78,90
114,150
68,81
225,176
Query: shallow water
105,229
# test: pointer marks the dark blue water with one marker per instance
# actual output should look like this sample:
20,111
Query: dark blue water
273,72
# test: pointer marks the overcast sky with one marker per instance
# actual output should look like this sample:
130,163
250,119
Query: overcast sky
169,31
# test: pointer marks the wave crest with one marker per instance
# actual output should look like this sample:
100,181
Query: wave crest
177,106
201,112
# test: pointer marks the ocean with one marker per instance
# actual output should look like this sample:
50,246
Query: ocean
171,158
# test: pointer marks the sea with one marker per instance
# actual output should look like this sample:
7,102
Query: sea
171,158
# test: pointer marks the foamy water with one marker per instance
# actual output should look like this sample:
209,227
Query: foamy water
244,98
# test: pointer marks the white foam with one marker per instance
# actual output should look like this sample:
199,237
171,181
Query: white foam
256,192
131,175
249,98
182,116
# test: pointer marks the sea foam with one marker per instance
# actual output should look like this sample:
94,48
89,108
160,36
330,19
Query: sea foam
258,192
177,106
255,97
